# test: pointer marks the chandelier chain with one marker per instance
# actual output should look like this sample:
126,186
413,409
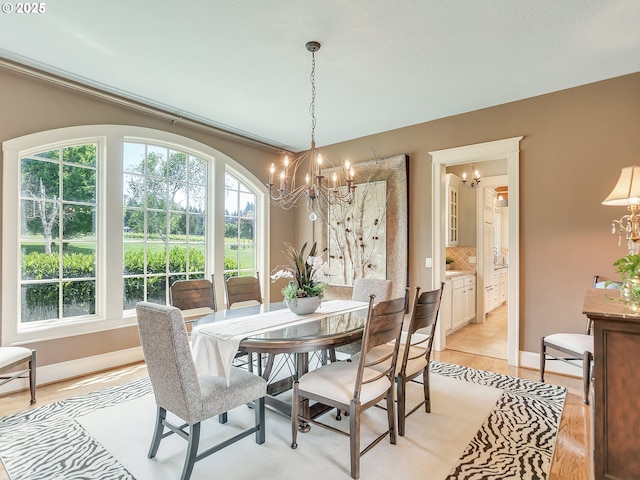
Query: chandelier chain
312,107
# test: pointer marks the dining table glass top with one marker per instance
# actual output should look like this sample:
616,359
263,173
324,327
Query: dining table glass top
339,327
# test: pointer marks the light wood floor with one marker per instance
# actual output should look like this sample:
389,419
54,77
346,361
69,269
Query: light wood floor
572,454
488,338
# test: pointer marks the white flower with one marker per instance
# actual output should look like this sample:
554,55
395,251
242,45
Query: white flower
281,274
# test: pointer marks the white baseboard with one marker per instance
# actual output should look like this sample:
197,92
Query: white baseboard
532,360
75,368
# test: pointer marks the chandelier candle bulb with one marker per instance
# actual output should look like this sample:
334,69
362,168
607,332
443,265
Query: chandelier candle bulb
272,169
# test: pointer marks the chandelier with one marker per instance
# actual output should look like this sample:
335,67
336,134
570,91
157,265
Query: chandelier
315,191
475,183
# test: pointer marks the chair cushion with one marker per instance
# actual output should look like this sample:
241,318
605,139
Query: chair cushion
217,397
11,355
576,342
337,381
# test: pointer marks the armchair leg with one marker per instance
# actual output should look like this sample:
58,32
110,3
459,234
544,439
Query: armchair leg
354,437
32,376
586,376
427,389
295,406
401,391
161,415
543,357
260,420
192,451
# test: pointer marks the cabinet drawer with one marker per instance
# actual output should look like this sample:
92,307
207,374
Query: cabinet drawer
458,282
470,280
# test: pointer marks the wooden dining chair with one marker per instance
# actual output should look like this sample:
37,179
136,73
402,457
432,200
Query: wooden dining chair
191,294
179,389
414,353
575,349
11,358
243,289
356,386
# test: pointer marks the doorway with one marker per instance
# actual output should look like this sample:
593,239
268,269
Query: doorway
508,150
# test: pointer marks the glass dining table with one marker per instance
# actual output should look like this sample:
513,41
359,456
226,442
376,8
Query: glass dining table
294,345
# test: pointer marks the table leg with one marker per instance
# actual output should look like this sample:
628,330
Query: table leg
302,367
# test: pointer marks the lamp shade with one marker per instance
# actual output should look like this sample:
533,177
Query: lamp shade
627,190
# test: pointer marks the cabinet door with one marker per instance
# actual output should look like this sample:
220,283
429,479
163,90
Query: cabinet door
452,216
470,302
445,314
458,307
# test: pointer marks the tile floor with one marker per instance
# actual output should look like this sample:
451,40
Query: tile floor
488,339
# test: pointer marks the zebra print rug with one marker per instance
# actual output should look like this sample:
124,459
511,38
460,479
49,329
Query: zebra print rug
516,440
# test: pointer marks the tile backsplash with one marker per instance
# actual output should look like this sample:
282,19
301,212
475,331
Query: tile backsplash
461,256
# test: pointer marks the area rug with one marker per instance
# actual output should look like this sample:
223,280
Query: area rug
482,426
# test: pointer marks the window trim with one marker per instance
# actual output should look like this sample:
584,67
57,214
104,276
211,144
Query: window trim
110,139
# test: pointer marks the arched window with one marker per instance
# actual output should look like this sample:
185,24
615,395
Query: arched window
97,218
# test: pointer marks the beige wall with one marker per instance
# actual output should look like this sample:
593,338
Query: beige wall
575,143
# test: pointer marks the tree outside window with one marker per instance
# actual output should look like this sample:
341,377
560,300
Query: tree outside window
58,240
164,220
239,228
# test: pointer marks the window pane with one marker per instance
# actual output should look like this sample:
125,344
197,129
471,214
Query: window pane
231,202
80,154
157,290
197,198
52,154
133,258
133,292
134,190
196,228
37,265
39,302
156,193
247,205
78,298
133,157
79,184
133,224
40,179
156,161
156,258
196,259
79,222
39,220
178,227
230,182
156,226
178,259
79,262
197,170
246,257
178,195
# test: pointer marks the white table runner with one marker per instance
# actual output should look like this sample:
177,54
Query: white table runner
214,345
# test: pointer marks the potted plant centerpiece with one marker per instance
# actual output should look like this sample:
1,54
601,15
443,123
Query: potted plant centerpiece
449,262
629,269
307,279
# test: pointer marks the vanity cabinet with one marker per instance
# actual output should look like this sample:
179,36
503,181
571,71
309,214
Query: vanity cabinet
453,210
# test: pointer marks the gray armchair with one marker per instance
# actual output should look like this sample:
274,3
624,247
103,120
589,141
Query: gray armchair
179,389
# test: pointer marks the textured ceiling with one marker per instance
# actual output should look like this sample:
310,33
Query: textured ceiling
384,64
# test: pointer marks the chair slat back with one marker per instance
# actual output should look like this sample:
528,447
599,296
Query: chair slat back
424,314
167,354
243,289
187,294
384,324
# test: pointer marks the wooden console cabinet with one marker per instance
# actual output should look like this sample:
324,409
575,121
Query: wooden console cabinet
616,403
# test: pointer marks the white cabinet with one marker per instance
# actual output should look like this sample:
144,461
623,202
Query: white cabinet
453,210
463,300
445,314
496,292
